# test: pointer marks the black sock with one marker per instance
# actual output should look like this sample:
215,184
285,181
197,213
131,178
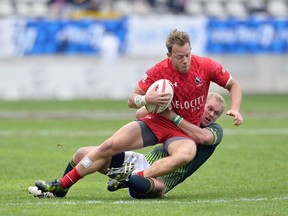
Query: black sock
140,184
69,167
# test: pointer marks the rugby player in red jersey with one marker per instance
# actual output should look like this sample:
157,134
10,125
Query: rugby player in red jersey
208,137
191,76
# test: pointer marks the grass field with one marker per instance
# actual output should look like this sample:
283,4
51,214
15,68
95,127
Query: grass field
247,175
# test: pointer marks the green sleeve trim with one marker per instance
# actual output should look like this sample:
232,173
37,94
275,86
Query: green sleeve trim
217,132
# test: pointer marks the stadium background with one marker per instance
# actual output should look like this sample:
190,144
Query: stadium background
100,49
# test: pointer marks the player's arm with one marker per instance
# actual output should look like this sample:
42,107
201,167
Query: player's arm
200,135
235,97
139,99
141,112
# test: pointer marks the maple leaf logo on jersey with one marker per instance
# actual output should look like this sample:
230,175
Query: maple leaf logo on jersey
198,81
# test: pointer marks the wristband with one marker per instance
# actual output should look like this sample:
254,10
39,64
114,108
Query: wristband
174,117
177,119
140,101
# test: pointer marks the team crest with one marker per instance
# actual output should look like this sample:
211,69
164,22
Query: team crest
198,81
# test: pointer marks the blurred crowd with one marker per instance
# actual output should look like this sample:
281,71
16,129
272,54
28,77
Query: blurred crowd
112,8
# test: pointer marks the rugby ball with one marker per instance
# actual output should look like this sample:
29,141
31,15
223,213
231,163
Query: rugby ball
164,85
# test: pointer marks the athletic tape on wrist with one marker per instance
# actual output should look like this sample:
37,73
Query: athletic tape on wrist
140,101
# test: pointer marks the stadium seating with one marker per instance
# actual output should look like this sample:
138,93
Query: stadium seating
214,8
6,8
236,9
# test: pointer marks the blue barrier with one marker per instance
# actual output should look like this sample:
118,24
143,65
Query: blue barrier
253,35
72,36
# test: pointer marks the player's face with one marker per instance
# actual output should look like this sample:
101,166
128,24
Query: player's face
181,57
212,111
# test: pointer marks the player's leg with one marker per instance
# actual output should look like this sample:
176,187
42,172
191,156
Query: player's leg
148,138
181,152
77,157
127,137
139,187
173,179
116,160
122,166
44,186
143,188
203,154
80,153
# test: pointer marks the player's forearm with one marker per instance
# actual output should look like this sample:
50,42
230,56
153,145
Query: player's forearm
137,98
200,135
235,95
236,99
141,112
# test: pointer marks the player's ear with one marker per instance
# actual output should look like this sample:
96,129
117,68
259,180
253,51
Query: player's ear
168,54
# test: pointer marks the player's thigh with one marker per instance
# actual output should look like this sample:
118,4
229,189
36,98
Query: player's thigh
128,137
182,150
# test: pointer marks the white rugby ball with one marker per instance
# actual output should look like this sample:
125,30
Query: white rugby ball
164,85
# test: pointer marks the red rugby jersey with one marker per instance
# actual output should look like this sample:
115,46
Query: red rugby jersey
191,89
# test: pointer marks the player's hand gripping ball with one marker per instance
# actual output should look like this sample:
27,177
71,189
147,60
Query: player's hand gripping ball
164,85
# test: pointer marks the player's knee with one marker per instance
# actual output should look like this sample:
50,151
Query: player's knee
159,187
186,157
80,153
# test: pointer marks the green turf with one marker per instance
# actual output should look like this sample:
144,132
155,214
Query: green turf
247,175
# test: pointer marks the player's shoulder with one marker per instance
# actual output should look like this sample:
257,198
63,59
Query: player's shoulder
215,127
165,63
217,132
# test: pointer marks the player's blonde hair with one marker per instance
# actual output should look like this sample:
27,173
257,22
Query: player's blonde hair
177,37
219,98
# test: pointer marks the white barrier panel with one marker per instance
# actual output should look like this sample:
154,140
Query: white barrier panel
89,77
69,77
7,44
147,36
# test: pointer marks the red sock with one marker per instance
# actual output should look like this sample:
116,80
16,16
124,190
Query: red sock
70,178
140,173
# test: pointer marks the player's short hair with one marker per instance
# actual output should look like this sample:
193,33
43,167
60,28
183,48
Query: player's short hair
219,98
177,37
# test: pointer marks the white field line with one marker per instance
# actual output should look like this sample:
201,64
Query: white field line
44,133
148,202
